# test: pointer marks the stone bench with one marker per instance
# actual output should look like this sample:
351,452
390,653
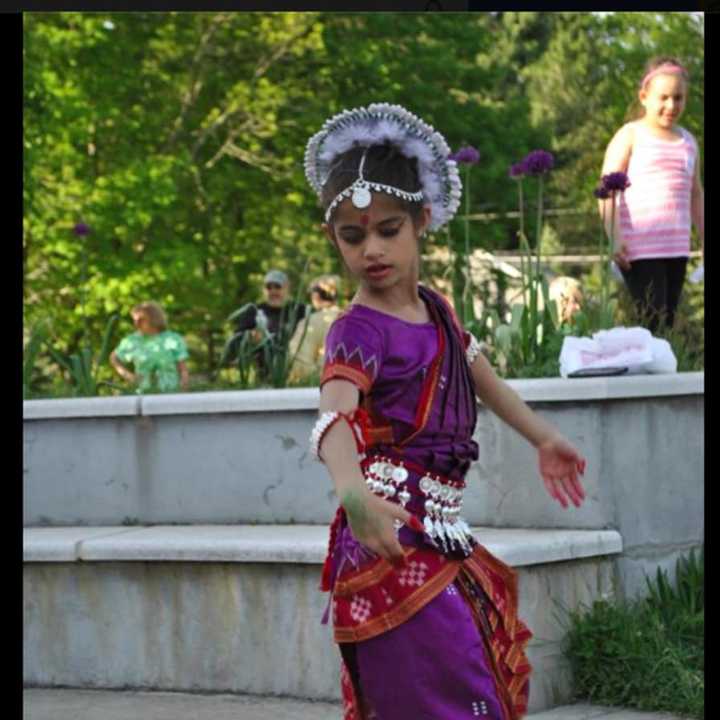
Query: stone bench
235,608
241,457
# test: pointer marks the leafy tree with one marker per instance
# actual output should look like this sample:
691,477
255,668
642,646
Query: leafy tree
178,138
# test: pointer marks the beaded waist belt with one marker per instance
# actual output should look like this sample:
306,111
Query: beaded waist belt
435,498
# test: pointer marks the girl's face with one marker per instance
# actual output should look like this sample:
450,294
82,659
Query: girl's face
379,244
664,100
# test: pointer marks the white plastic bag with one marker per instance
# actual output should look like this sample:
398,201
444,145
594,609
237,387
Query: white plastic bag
698,274
664,360
616,351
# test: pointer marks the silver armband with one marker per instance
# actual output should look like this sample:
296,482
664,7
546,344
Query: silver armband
473,349
321,427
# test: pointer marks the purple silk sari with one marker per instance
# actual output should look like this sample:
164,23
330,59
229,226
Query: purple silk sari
435,665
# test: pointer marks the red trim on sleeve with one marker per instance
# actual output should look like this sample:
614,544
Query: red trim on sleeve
339,370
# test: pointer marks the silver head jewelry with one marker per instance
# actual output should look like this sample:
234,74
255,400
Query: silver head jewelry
381,123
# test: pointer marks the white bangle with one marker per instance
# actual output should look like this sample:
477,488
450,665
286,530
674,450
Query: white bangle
321,427
473,349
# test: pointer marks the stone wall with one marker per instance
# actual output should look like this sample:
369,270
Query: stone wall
241,627
241,457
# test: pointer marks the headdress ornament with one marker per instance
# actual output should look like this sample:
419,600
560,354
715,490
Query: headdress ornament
378,124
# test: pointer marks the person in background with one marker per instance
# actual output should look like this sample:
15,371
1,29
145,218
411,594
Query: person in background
566,292
307,345
664,198
157,354
275,318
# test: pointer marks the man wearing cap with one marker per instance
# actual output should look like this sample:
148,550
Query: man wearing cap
276,315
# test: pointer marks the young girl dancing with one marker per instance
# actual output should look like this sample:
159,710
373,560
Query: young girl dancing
425,617
665,197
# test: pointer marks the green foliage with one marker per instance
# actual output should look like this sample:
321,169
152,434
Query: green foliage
686,596
38,336
83,367
278,358
243,348
530,343
646,654
178,138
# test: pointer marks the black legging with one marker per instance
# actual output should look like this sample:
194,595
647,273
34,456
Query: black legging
655,285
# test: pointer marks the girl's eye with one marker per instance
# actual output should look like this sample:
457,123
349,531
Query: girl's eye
389,232
352,239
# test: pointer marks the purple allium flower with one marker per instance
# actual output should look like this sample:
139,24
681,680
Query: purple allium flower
81,229
517,170
538,162
467,155
615,181
601,192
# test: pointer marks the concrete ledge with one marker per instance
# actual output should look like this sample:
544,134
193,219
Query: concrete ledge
609,388
61,544
304,544
231,401
82,407
242,401
247,627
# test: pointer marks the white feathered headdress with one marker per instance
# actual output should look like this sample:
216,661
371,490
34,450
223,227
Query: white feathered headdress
382,123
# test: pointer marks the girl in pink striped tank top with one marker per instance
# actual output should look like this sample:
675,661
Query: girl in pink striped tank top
654,216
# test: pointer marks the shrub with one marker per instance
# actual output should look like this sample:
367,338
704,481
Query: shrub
647,653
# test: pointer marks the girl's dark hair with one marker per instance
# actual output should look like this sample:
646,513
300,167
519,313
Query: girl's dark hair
635,111
383,164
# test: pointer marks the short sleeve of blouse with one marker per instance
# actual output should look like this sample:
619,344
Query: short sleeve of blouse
353,351
125,348
175,345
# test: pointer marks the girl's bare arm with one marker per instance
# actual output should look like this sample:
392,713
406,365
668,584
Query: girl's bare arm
559,461
370,517
697,206
120,369
617,158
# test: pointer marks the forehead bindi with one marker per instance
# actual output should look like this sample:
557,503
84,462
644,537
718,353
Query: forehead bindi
383,209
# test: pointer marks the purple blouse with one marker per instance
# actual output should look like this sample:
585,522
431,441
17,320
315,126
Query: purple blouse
406,385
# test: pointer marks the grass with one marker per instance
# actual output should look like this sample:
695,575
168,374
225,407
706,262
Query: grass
647,653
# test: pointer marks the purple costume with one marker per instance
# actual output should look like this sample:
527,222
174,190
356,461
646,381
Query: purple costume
446,643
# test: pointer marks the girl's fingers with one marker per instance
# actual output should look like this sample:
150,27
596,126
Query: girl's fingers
578,486
411,521
407,518
571,491
394,554
565,491
553,490
571,480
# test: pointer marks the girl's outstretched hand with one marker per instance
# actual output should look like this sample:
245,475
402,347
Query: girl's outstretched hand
372,523
560,464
